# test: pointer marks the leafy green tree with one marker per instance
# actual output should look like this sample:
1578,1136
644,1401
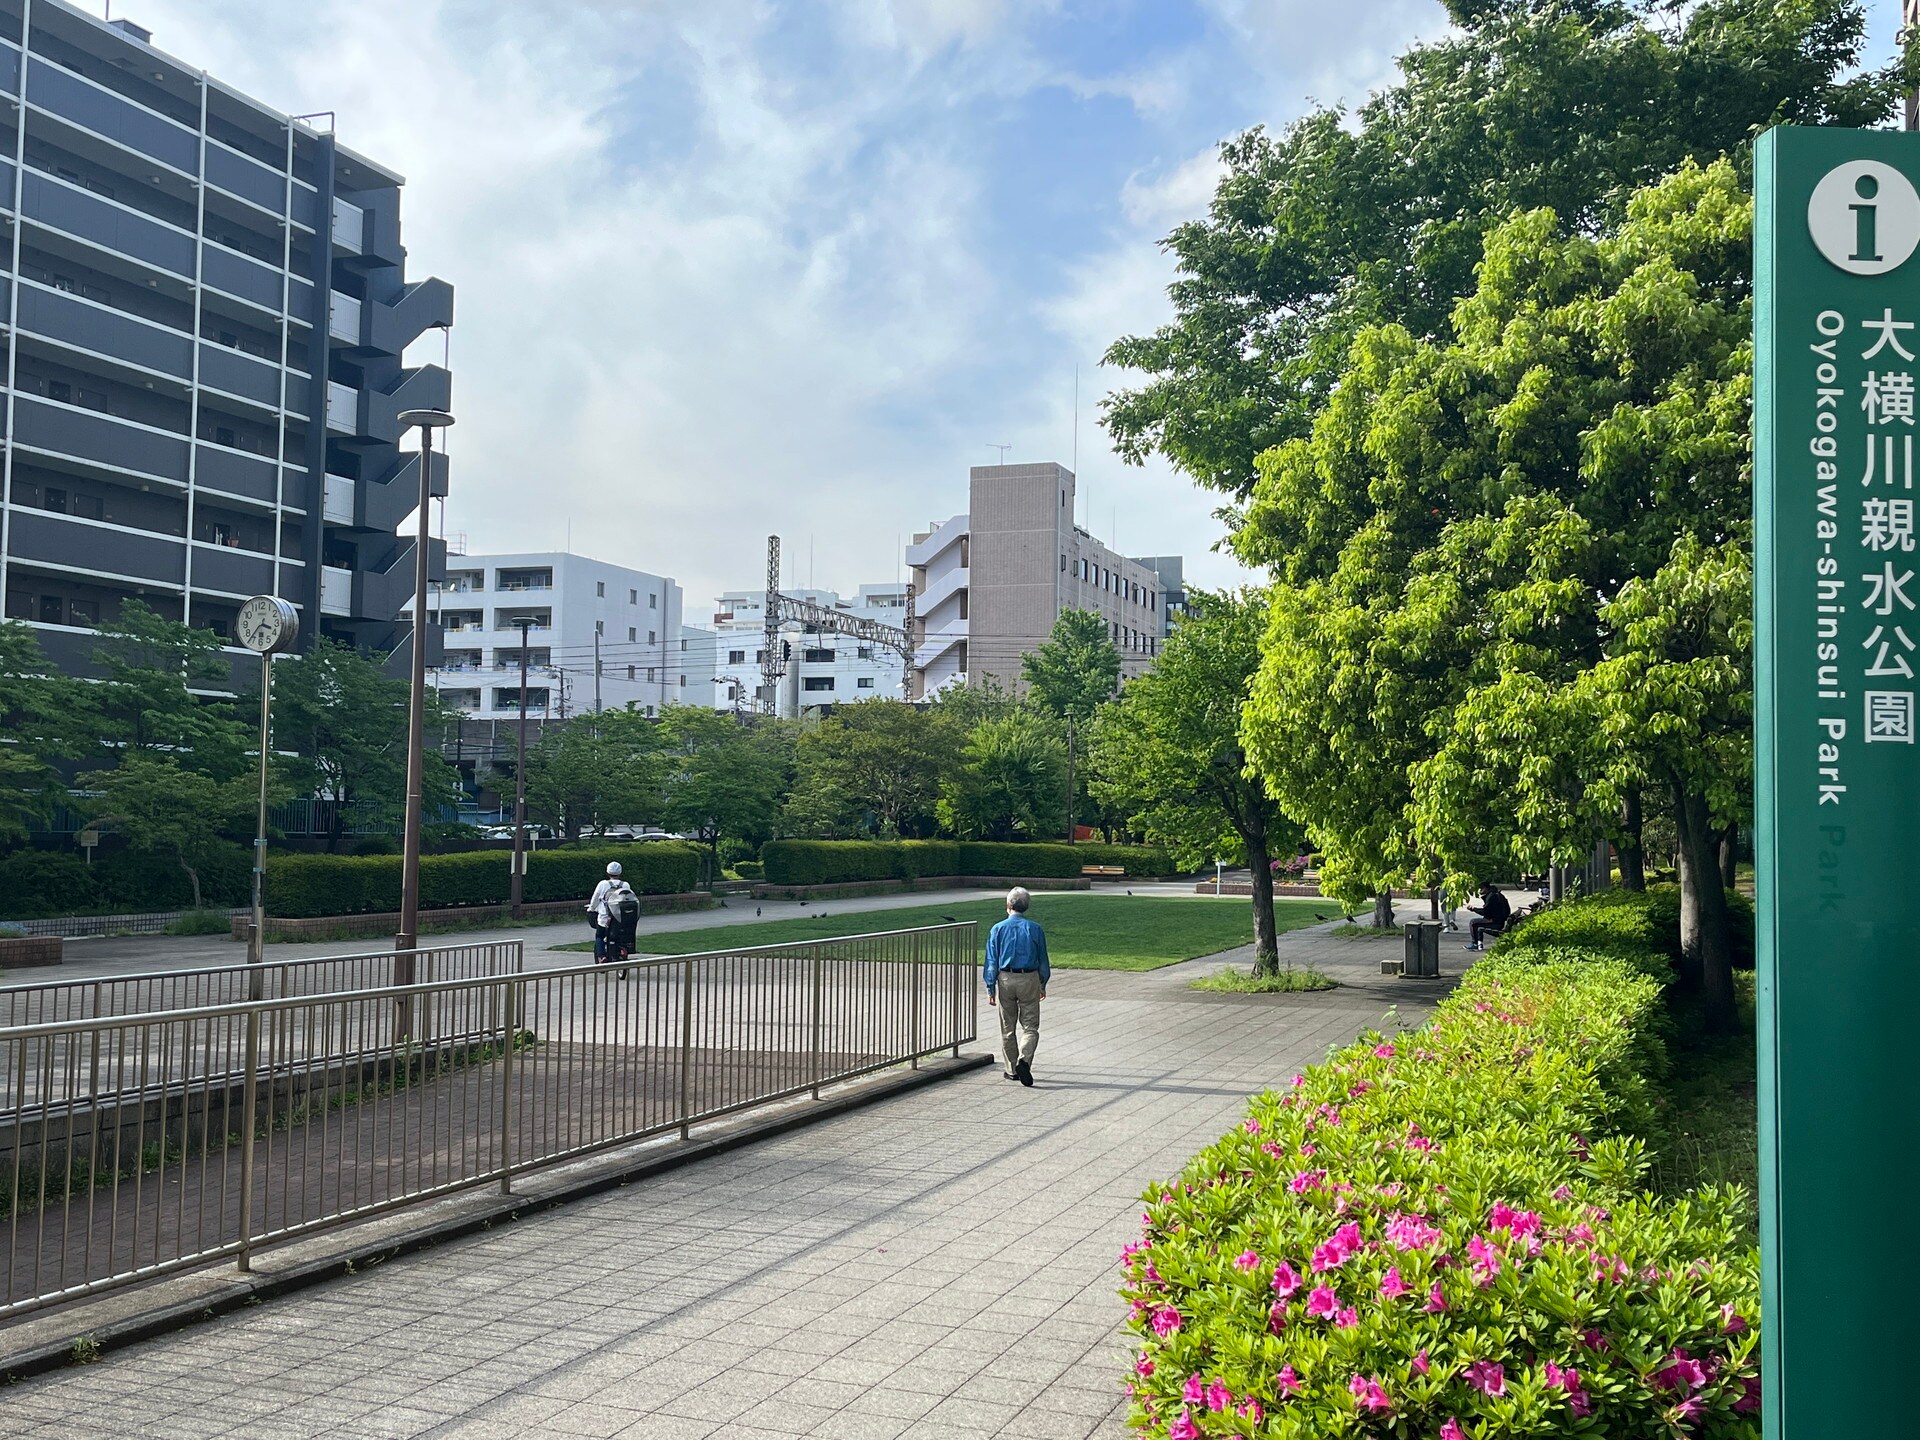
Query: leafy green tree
340,732
724,777
1070,676
1169,751
596,770
161,805
871,767
1453,539
43,718
164,691
965,703
1341,222
1010,784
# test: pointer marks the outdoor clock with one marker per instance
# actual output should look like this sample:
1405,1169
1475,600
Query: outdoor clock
268,624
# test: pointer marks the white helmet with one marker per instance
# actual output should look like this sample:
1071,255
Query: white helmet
613,867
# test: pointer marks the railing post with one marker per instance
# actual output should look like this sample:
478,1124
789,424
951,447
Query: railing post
686,1048
913,1003
813,1070
249,1103
511,1030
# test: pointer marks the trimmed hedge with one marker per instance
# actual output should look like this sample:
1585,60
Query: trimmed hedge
35,884
1629,923
1446,1234
302,887
830,862
1145,861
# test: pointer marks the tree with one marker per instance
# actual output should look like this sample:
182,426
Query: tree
1169,751
1464,537
596,770
43,717
724,777
164,692
1011,782
343,722
871,767
1341,222
1070,676
159,804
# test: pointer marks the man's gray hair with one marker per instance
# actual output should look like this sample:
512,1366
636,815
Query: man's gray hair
1018,899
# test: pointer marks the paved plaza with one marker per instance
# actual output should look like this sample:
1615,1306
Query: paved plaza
939,1265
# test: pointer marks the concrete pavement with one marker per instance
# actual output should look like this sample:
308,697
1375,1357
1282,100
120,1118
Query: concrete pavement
941,1265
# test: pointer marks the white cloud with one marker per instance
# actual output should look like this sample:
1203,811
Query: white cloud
719,276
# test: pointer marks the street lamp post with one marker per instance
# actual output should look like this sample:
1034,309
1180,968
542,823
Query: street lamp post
407,939
268,626
517,882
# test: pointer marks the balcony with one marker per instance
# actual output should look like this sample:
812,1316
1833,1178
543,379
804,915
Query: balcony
73,544
349,226
336,590
236,472
231,571
83,103
239,373
246,177
243,276
336,506
343,408
344,317
103,439
80,323
101,222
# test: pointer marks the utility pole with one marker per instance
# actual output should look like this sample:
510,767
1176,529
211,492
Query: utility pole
518,882
1909,21
596,670
1070,825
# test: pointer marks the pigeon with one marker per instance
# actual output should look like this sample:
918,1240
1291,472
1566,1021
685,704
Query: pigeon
1318,916
950,919
1129,892
756,912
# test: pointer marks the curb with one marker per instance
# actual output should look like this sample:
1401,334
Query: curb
239,1291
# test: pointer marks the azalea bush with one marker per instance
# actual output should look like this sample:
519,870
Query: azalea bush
1446,1233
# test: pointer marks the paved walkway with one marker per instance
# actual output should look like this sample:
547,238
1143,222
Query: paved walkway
941,1265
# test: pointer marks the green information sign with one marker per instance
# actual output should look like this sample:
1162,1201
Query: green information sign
1837,782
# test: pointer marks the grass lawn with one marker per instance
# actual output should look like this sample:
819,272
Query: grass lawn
1712,1129
1084,932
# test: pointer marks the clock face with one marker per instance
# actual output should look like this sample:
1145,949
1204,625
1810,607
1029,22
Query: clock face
265,624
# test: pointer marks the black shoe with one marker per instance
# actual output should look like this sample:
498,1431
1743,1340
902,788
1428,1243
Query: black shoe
1023,1072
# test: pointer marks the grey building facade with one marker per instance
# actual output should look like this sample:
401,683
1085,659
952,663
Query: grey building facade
206,305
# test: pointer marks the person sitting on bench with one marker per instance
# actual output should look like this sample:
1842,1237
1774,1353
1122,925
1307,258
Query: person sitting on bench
1490,917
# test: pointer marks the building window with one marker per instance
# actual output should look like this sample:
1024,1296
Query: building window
759,657
736,657
815,655
599,627
963,604
683,682
651,637
653,601
865,682
630,670
632,634
600,589
864,652
649,711
818,682
83,612
633,597
1063,562
650,674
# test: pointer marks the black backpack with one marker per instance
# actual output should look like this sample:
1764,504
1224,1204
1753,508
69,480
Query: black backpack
623,917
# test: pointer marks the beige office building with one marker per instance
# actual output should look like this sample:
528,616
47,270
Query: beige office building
990,583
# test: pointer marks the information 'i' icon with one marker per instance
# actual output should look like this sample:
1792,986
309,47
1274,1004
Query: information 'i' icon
1864,246
1864,217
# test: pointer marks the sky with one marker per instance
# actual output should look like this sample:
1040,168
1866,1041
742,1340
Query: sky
728,268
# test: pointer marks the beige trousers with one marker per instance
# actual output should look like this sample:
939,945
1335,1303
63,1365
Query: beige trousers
1017,994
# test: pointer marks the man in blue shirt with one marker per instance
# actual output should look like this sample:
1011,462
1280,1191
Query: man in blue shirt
1016,974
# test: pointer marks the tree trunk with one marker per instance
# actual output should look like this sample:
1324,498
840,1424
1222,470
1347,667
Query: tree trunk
1633,857
1729,865
1383,911
1706,929
193,878
1266,954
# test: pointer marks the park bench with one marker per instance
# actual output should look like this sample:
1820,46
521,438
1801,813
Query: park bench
1104,872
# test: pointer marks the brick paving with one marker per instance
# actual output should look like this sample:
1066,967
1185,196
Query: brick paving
941,1265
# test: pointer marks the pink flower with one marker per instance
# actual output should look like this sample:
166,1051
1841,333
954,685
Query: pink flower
1489,1377
1412,1232
1183,1428
1582,1232
1594,1340
1682,1373
1298,1081
1383,1052
1392,1286
1287,1382
1144,1365
1246,1260
1218,1396
1323,1303
1565,1192
1251,1409
1339,1248
1731,1320
1347,1318
1306,1180
1193,1390
1420,1142
1421,1365
1501,1217
1286,1280
1749,1400
1611,1267
1252,1127
1368,1393
1452,1431
1311,1150
1559,1379
1277,1316
1165,1321
1436,1302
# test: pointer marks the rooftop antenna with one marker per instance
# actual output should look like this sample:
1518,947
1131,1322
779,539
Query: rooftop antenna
1002,449
1076,418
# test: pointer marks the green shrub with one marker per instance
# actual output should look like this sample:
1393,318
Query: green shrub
305,886
375,845
39,883
1144,861
1624,922
749,869
830,862
1448,1234
202,922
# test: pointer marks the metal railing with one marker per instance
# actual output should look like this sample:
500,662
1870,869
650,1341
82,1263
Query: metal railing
139,1143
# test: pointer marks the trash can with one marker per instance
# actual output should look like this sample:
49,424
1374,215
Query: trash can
1423,948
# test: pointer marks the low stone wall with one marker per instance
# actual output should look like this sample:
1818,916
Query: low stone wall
853,889
33,950
461,917
1245,887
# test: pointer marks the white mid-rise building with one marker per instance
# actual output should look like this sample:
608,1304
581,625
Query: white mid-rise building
822,668
597,635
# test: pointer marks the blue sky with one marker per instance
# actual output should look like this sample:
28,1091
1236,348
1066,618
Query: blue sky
728,267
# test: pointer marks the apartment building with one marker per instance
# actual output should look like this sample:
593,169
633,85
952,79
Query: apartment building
1170,572
823,667
207,303
597,636
991,582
